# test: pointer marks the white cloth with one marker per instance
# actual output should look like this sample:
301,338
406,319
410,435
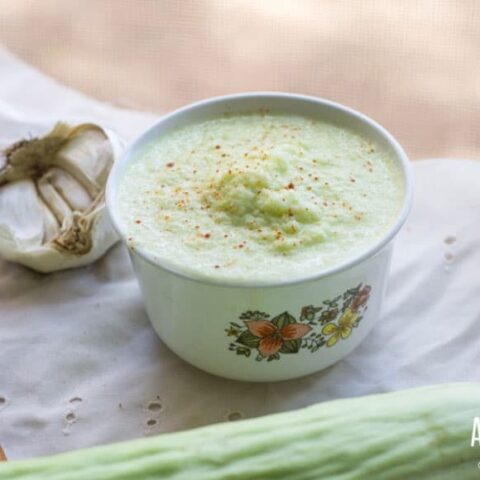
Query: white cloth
79,362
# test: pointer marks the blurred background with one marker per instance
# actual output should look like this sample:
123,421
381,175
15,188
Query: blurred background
412,65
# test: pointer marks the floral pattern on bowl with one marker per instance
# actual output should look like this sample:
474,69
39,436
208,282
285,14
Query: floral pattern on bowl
316,327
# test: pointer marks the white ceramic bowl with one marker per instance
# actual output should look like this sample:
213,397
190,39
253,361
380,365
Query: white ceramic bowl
311,323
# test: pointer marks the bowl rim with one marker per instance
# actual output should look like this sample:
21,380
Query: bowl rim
126,156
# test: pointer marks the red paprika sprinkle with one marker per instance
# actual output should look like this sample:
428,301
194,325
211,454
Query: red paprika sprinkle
170,164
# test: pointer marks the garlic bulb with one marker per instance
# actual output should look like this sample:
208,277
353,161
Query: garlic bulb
52,208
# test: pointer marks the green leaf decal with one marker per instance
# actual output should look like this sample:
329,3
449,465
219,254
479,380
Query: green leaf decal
283,319
273,357
291,346
248,339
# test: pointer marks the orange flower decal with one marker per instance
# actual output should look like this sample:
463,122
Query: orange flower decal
273,338
361,298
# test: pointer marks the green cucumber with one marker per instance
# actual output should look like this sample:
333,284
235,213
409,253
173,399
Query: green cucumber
423,433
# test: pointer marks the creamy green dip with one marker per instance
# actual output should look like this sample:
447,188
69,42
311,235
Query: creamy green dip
258,197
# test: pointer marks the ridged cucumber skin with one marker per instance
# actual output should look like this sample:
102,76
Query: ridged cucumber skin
422,433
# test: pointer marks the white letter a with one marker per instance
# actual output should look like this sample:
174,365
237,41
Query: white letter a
475,432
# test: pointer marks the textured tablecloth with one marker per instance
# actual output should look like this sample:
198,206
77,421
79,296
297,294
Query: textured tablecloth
80,364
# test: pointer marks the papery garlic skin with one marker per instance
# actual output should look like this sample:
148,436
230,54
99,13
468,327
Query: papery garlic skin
52,205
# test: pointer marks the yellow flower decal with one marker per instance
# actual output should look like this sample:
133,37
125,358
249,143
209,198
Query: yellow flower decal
343,329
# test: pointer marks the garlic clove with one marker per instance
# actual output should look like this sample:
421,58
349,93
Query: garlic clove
52,206
74,194
21,219
50,224
52,199
88,157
